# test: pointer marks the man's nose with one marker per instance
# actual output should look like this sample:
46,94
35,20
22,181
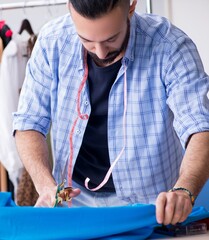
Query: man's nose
101,50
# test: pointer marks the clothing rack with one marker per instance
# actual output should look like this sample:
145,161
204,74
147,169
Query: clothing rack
31,4
149,6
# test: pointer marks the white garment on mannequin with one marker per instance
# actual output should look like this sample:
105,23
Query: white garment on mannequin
12,75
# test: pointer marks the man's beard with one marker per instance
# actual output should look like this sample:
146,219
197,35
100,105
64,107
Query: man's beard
111,56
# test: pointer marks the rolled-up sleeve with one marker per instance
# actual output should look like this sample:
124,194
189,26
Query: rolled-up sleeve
187,85
34,104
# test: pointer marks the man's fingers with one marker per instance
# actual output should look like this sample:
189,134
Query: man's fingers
178,211
183,207
186,211
48,198
169,208
172,207
75,192
160,207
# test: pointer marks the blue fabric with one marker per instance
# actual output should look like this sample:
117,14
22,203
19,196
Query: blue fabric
75,223
166,86
129,222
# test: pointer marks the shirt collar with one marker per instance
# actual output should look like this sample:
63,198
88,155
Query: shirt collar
129,54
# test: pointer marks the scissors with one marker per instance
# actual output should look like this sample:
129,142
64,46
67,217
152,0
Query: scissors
63,193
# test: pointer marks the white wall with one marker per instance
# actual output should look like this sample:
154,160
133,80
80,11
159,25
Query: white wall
192,17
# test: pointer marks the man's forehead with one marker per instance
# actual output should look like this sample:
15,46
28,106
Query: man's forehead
100,29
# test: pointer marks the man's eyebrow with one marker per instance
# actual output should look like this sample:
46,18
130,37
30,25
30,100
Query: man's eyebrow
85,39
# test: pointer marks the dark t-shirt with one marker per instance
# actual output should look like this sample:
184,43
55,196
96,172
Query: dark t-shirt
93,158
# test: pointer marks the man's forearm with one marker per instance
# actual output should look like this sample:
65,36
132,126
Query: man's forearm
194,170
33,151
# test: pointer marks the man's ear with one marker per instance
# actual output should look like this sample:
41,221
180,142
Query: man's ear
132,8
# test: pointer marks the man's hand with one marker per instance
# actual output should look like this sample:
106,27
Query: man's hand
47,197
172,207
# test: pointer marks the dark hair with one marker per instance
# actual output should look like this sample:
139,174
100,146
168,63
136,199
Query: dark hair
96,8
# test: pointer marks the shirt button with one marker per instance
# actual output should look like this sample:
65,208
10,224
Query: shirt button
78,131
86,103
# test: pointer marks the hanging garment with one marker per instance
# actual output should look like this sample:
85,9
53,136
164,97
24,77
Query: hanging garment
3,178
26,27
5,37
31,43
26,192
12,73
123,222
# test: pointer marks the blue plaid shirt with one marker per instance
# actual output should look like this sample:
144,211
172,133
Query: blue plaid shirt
166,102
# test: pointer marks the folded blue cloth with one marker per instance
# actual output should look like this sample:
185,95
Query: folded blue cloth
123,222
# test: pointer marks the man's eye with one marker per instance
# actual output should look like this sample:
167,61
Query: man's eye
85,41
111,40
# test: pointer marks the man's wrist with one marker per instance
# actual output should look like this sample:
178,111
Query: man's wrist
192,197
46,186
